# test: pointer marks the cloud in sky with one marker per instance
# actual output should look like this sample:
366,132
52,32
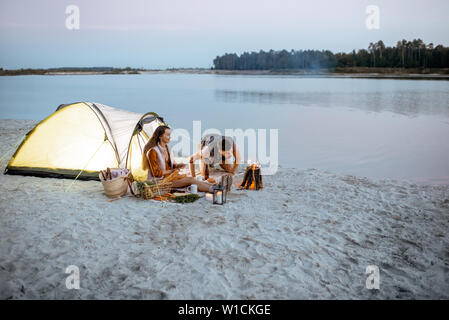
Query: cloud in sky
190,33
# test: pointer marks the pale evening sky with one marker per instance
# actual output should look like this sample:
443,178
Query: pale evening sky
191,33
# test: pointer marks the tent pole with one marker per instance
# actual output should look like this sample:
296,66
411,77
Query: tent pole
85,166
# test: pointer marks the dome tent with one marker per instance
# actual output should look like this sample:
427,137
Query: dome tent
83,138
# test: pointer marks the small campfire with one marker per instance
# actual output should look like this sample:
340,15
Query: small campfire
252,180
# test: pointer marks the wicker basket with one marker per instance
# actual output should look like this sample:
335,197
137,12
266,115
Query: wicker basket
149,191
116,187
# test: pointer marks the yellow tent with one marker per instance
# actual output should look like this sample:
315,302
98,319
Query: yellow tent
84,137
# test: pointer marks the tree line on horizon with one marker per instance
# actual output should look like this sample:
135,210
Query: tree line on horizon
406,54
41,71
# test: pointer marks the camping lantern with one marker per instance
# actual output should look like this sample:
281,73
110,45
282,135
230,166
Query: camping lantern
220,195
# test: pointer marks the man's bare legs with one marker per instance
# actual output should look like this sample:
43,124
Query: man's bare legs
227,167
205,173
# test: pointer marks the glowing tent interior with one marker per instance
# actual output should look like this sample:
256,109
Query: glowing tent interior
80,139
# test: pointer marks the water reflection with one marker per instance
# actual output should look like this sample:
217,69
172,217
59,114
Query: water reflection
404,102
366,127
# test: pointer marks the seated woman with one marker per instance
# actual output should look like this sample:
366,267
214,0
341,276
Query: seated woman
215,149
156,159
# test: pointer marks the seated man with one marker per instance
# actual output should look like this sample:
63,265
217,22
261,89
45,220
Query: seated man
215,149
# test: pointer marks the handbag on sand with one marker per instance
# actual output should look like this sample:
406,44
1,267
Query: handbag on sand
116,182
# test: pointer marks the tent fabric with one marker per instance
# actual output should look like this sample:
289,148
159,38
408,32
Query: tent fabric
87,137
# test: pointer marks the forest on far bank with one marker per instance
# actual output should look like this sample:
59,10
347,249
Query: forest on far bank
405,54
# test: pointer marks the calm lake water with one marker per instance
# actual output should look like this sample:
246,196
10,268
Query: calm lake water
395,129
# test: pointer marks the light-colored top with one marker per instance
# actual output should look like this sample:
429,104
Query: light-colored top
158,162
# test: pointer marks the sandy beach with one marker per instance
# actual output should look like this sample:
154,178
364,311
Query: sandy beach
309,234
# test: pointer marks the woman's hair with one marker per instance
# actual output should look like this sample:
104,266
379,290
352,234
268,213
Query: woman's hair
151,144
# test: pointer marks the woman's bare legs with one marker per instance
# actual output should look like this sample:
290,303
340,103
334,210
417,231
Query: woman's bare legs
187,181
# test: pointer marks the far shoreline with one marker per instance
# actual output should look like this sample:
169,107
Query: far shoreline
355,73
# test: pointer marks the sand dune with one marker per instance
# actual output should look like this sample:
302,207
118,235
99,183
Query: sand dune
308,234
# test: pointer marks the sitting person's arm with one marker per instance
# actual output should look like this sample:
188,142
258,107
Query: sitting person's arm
156,171
176,165
192,159
179,165
237,159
